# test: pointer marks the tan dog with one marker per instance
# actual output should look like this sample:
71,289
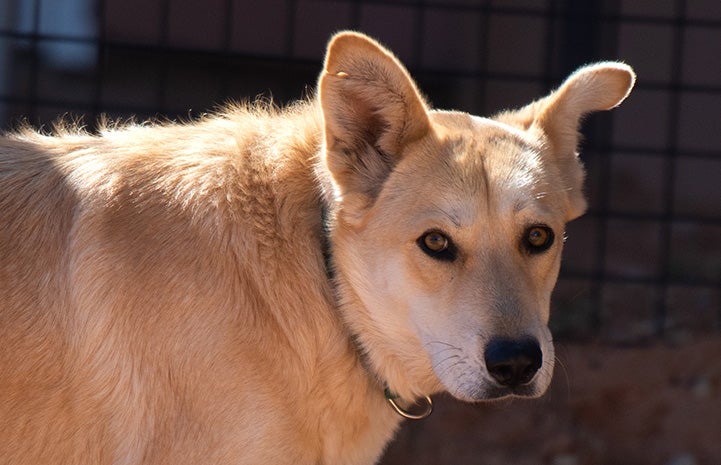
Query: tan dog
244,289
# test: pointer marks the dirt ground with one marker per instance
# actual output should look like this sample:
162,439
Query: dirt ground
651,405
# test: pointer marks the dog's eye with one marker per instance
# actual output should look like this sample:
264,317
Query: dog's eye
435,242
538,238
437,245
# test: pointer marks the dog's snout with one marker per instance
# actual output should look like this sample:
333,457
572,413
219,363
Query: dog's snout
513,363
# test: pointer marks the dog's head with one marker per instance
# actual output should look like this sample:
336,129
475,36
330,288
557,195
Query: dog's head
448,228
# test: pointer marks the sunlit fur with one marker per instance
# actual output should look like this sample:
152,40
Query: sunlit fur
164,294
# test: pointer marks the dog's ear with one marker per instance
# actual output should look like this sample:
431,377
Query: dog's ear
602,86
371,111
597,87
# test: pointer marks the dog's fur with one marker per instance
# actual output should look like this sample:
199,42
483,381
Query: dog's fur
242,289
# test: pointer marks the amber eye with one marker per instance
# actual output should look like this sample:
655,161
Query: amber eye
538,238
437,245
435,242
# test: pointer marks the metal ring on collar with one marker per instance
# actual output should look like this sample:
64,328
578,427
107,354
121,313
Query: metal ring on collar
407,414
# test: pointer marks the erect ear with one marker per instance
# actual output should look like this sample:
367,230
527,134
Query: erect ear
371,111
601,86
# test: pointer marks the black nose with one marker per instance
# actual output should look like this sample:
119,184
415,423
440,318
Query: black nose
513,362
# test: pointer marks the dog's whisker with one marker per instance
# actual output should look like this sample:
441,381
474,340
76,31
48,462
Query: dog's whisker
442,370
441,343
566,378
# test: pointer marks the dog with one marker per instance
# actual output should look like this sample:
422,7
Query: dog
276,286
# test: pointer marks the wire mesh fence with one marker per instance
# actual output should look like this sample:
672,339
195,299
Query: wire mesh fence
645,262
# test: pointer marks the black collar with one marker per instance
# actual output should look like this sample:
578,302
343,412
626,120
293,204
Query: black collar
325,246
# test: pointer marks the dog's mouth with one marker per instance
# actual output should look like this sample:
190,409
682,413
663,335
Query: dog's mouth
492,392
498,393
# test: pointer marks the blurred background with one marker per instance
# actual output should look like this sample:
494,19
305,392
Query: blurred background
637,310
